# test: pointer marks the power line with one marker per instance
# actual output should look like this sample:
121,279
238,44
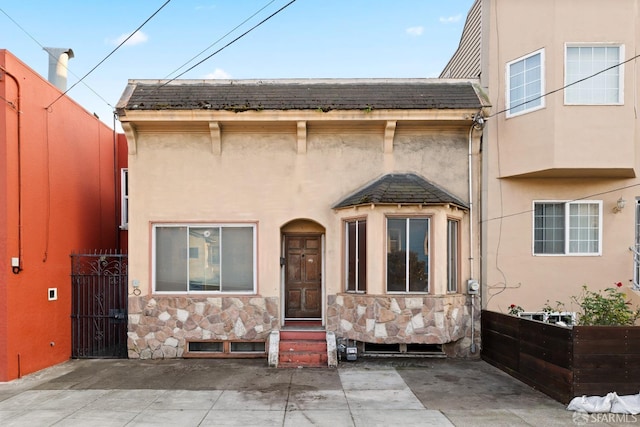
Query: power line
564,87
228,44
111,53
220,39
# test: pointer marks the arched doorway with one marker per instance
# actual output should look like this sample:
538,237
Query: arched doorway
303,267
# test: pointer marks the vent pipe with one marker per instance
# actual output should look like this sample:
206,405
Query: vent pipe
58,60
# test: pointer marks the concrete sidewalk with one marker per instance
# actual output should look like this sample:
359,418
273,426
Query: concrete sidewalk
205,392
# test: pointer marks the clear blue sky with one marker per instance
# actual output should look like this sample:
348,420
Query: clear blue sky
308,39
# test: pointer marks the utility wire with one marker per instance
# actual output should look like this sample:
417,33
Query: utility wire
564,87
111,53
228,44
220,39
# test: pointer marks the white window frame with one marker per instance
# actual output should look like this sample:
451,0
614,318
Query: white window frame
253,226
453,255
405,244
541,98
124,199
620,72
359,287
567,227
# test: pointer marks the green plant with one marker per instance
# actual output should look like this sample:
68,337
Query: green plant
514,310
608,307
557,309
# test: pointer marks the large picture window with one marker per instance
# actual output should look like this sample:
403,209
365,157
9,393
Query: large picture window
204,258
584,63
356,255
567,228
525,84
408,254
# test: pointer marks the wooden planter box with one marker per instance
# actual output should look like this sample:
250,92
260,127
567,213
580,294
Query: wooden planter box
563,362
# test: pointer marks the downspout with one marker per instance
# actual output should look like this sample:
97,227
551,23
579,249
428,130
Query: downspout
16,264
478,124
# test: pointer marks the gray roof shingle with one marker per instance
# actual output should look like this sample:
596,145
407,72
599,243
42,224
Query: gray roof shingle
304,94
402,189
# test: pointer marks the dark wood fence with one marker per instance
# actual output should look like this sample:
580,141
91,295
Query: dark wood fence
563,362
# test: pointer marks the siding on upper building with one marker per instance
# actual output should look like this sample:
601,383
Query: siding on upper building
466,62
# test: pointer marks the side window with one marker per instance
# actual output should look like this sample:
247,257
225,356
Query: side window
453,255
356,255
592,76
124,199
525,84
408,254
567,228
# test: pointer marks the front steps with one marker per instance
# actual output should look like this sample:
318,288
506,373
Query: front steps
302,349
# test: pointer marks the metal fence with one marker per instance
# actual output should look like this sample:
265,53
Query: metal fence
99,305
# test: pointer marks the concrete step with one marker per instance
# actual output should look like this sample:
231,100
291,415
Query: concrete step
302,348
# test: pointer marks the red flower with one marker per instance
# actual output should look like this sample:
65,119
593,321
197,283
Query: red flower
512,306
619,284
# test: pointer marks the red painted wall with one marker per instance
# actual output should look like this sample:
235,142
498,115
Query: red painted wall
57,195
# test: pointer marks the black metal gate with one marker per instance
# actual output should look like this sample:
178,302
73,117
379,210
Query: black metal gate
99,305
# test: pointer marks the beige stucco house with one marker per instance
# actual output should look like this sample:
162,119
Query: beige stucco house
259,205
560,153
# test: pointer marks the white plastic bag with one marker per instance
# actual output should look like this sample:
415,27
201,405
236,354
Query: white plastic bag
592,404
626,404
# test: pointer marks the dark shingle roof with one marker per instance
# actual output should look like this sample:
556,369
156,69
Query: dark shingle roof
307,94
401,189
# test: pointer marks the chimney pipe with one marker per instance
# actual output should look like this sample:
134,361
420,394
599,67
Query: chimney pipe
58,60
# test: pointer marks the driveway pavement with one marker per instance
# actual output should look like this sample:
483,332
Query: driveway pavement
205,392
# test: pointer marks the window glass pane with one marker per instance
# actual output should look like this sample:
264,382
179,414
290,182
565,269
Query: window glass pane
171,259
549,228
418,255
236,259
396,255
452,255
351,256
362,256
582,62
204,259
525,84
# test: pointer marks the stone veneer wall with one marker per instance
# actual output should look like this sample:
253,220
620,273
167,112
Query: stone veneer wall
393,319
159,326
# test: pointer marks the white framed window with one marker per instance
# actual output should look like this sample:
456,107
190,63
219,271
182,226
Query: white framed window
204,258
567,228
453,254
356,255
525,84
408,254
582,62
124,199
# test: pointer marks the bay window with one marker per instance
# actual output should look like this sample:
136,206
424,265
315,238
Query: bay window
408,254
588,82
525,84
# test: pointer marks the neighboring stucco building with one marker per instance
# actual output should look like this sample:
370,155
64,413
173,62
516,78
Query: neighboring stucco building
556,161
255,205
57,196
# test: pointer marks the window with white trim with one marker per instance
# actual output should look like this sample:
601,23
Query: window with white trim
525,84
124,199
408,254
356,255
567,228
453,254
585,64
205,258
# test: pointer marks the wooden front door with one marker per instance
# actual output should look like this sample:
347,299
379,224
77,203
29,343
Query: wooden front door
303,277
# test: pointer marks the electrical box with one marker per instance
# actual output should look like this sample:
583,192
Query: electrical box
53,294
352,353
473,287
